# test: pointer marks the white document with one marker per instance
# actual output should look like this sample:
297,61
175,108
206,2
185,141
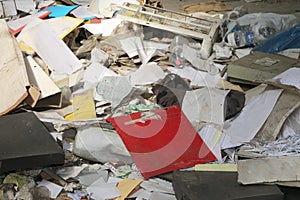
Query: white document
63,25
205,105
82,12
289,77
71,172
93,143
101,191
39,78
146,74
95,72
198,78
246,125
113,89
53,188
105,28
158,185
212,138
56,54
161,196
20,22
27,6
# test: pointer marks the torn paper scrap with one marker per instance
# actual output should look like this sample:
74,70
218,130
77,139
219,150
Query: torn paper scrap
43,39
205,105
52,187
246,125
153,71
101,190
94,143
84,106
289,77
126,186
197,78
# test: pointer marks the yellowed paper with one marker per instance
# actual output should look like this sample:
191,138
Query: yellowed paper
84,106
126,186
216,167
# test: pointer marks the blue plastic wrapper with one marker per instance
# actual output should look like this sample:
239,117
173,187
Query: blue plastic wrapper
289,39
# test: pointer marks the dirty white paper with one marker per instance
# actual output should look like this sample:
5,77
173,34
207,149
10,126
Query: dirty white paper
146,74
289,77
105,28
43,39
93,143
205,105
101,190
95,72
198,78
211,136
113,89
161,196
53,188
158,185
246,125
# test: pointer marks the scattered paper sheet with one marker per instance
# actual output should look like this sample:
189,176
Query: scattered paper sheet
113,89
205,105
212,136
60,10
43,39
158,185
105,28
64,25
40,79
84,106
289,77
94,143
198,78
82,12
126,186
95,72
153,71
161,196
70,172
27,6
246,125
53,188
18,24
101,190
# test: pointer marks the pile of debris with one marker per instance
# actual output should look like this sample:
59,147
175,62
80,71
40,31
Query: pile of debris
128,100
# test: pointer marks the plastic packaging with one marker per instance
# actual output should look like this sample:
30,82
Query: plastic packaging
176,48
253,29
241,39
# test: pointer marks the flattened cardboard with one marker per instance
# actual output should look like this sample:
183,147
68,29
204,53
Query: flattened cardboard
14,80
258,66
191,185
25,143
161,141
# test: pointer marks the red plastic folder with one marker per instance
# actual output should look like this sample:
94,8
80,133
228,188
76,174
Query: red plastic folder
161,141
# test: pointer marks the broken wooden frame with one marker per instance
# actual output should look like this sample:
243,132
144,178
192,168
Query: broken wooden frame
204,28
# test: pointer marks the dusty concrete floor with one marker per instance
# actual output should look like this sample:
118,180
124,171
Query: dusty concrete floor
274,6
